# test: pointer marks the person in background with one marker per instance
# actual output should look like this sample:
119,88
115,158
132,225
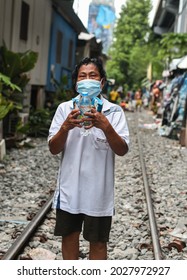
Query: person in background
120,92
114,95
84,196
145,98
155,99
138,98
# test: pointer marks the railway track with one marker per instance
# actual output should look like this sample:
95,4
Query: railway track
137,232
16,248
158,255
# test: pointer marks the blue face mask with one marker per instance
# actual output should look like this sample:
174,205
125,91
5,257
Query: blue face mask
92,87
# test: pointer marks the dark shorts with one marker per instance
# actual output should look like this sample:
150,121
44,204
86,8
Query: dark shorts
95,229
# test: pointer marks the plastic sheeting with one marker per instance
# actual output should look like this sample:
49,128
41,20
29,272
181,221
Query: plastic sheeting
101,23
174,108
183,63
105,17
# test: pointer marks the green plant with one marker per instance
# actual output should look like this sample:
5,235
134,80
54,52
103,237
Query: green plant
17,65
60,95
173,45
14,77
38,123
6,105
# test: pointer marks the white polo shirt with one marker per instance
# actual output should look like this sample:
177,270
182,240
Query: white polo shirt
85,182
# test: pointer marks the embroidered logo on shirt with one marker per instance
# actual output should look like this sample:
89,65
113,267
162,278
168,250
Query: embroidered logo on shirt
112,110
101,140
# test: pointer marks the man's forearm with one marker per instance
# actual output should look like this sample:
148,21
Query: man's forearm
57,142
117,144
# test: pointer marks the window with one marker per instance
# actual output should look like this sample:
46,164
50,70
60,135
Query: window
24,21
59,47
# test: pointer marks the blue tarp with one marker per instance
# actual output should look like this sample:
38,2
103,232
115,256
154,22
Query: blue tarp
105,17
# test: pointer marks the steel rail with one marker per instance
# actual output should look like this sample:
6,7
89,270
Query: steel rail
17,246
152,220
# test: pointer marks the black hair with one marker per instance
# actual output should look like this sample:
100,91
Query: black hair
85,61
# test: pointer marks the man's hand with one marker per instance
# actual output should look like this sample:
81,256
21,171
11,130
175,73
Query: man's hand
72,120
97,119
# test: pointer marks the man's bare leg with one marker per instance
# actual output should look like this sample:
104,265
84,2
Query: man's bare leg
98,251
70,246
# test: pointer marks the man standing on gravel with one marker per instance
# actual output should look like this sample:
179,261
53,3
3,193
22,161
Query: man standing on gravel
84,195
